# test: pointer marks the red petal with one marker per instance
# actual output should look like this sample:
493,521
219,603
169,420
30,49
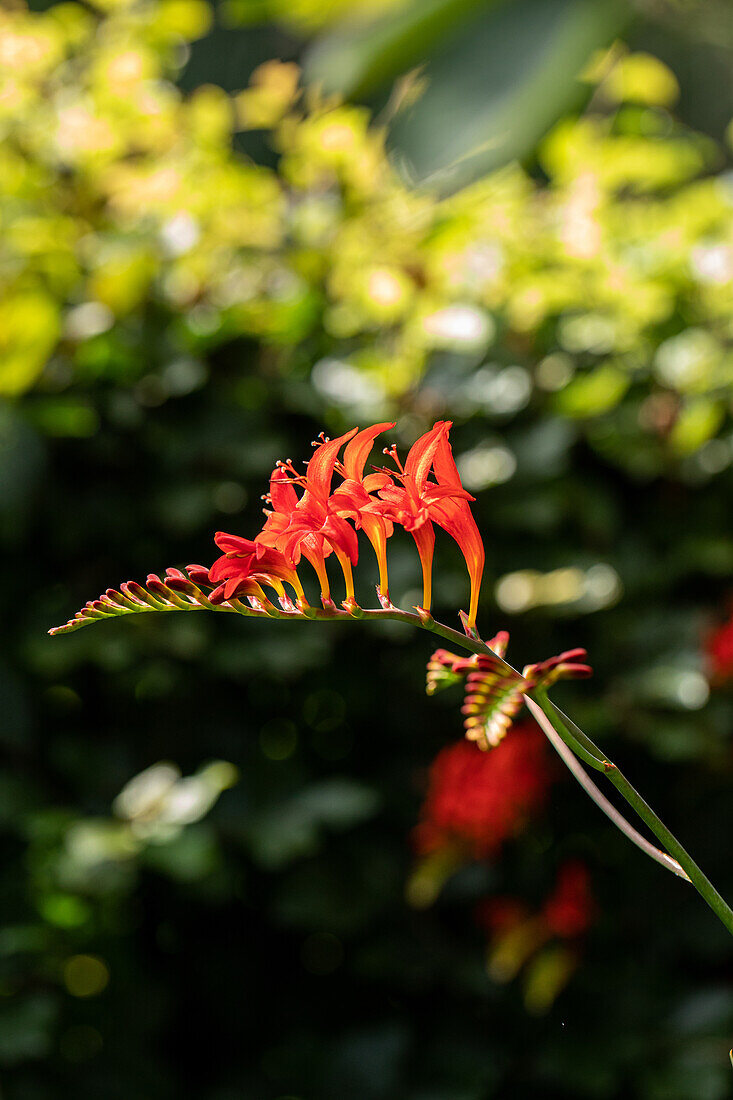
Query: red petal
282,492
233,544
422,452
226,567
444,464
454,516
374,482
357,451
320,467
342,536
350,497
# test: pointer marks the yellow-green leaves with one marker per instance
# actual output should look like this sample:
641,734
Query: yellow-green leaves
29,327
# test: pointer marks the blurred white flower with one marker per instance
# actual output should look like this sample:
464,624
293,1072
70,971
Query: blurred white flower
179,234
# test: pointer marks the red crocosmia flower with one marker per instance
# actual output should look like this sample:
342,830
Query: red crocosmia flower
284,500
307,518
417,502
453,514
476,800
313,528
353,499
570,909
245,565
719,652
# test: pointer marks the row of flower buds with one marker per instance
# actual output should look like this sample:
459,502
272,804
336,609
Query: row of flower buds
494,691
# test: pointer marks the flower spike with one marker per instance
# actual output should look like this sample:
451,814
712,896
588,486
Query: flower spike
306,517
319,522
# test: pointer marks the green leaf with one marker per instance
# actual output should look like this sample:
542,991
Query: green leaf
497,75
594,393
362,54
697,422
29,329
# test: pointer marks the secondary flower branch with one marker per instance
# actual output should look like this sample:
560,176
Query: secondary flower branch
307,517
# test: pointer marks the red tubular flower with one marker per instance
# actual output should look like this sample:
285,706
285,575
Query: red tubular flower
453,514
407,504
245,565
284,500
418,502
309,526
476,800
353,499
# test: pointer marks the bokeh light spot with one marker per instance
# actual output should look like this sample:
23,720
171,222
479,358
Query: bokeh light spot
85,975
278,739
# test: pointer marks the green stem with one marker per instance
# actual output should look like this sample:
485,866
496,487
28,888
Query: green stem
574,766
700,881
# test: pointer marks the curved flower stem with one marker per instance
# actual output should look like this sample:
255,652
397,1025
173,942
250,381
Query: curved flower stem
576,768
699,880
563,726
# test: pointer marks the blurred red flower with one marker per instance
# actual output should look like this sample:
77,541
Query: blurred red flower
545,944
718,646
570,908
476,801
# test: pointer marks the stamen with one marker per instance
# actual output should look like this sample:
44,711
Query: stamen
391,452
291,474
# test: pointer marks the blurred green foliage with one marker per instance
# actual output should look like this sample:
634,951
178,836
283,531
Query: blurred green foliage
193,285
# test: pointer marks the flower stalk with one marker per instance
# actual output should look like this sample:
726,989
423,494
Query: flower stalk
308,519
